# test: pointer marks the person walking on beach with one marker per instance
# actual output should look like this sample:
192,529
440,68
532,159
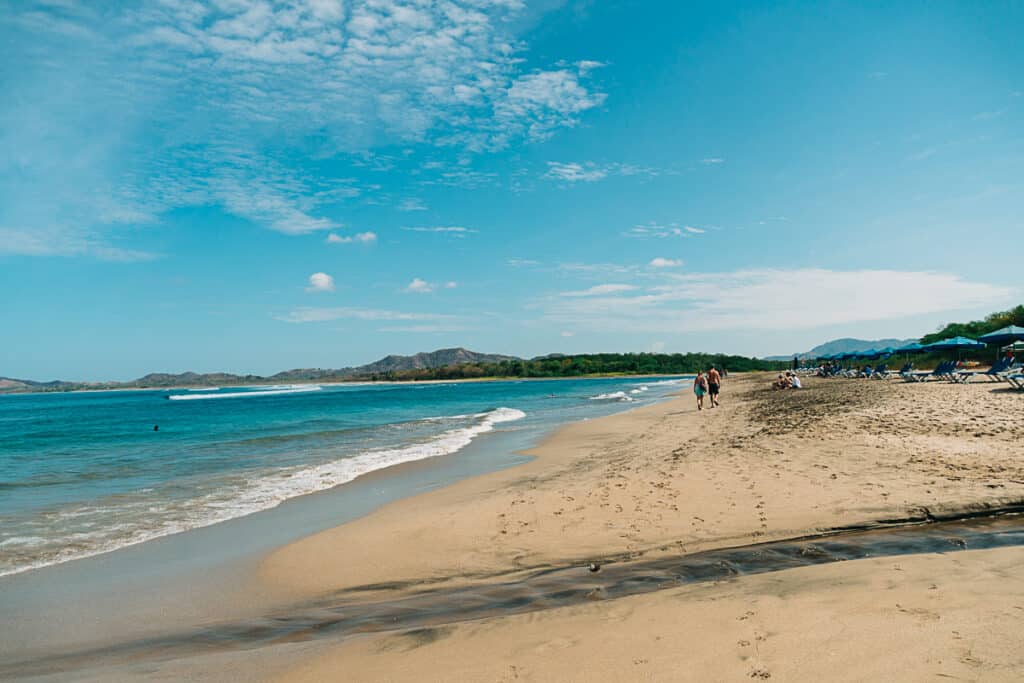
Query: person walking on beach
700,387
714,384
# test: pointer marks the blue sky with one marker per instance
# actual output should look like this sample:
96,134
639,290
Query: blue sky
253,185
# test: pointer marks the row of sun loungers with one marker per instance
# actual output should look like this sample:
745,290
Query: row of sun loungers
1004,370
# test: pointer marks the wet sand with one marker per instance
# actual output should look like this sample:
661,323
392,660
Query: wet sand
922,617
667,480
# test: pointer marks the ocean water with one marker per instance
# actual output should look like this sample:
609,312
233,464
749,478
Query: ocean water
86,473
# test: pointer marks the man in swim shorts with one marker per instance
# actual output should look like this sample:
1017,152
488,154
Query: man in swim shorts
714,384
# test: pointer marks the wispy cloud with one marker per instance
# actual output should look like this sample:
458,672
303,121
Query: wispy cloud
420,286
661,262
711,161
211,104
308,314
49,242
359,237
659,230
451,231
412,204
424,329
521,262
768,299
589,171
601,290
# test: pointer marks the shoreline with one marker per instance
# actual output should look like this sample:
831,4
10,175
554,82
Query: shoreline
354,382
370,476
646,485
663,481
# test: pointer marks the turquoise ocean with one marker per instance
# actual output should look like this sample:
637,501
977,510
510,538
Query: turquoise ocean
83,474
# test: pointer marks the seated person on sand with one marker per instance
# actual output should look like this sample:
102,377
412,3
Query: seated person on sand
780,383
794,382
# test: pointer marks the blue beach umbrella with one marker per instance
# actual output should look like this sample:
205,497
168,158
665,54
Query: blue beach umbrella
1010,333
913,347
955,343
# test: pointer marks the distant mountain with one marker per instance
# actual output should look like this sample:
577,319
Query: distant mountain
846,345
162,380
434,359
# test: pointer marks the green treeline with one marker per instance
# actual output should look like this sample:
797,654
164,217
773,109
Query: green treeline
976,328
585,364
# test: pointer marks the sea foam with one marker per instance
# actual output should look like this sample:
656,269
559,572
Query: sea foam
614,396
142,519
244,394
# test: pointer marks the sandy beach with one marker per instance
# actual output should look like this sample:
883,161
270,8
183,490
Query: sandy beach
667,480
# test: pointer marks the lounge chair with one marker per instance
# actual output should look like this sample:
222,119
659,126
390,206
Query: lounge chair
943,370
993,374
1016,381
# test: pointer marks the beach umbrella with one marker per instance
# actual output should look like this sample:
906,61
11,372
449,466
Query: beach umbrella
955,343
1010,333
912,347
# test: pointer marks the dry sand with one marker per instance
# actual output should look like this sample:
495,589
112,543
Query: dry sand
667,480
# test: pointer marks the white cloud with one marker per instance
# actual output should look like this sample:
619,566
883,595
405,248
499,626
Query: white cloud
320,282
656,230
768,299
418,286
63,243
307,314
693,230
586,65
567,333
661,262
589,171
451,231
601,290
412,204
236,91
360,237
424,329
451,284
573,172
521,262
709,161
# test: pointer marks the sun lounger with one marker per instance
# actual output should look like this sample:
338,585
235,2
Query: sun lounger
1016,381
992,374
943,370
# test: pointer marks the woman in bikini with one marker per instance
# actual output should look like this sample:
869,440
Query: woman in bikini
700,387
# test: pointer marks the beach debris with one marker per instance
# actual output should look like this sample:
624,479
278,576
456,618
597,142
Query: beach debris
594,567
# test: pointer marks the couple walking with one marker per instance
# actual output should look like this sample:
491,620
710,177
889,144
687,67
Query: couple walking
707,384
